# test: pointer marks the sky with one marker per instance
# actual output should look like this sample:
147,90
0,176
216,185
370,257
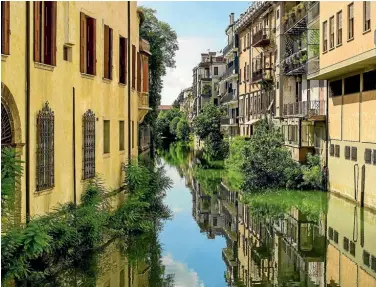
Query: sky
200,27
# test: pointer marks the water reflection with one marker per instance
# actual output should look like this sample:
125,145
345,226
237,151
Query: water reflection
280,239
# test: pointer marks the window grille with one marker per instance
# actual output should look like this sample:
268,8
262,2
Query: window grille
88,149
45,148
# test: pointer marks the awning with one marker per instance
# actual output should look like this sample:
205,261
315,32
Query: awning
251,122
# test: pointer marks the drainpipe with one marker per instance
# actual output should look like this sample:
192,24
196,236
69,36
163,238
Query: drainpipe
27,112
327,136
74,147
129,83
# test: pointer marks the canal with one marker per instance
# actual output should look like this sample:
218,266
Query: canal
216,237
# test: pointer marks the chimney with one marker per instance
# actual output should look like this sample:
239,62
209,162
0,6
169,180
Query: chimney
231,18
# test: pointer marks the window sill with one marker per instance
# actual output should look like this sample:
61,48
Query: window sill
4,57
324,52
339,45
332,48
122,152
106,155
44,191
107,81
349,40
44,66
122,84
367,31
84,180
87,76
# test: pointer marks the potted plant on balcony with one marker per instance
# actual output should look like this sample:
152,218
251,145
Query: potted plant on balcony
303,58
292,14
285,19
300,7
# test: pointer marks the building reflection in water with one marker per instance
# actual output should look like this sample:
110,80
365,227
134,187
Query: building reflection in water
334,245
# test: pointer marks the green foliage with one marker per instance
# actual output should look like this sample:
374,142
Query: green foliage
206,89
70,236
208,121
312,174
164,127
163,46
173,125
182,130
215,147
236,154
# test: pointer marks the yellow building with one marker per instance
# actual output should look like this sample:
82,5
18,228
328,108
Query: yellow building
348,62
74,87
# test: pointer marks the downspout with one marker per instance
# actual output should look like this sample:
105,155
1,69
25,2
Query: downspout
129,84
27,113
74,147
327,137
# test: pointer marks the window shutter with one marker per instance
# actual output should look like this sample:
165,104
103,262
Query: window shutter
138,72
94,40
53,44
106,50
37,31
125,53
82,42
368,10
6,12
110,59
145,71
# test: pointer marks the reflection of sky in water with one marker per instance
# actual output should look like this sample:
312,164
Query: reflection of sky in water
195,259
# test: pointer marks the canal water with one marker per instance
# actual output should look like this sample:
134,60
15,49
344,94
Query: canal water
216,238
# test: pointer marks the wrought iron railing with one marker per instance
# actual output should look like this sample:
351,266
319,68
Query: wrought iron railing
143,100
261,37
295,68
229,97
228,48
257,75
313,65
226,120
305,108
229,71
296,14
313,11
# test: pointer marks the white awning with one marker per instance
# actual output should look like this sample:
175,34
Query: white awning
251,122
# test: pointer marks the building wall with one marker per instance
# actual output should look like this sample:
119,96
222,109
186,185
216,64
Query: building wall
107,98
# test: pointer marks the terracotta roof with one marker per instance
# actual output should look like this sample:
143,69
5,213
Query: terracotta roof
164,107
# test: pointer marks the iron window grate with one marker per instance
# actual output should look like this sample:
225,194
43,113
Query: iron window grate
88,148
374,156
347,152
354,153
337,150
366,258
45,148
346,244
368,155
331,150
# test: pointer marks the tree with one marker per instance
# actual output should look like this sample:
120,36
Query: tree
178,101
165,118
208,121
173,125
163,46
182,130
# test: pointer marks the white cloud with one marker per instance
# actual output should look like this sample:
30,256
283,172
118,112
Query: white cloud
187,57
177,209
184,277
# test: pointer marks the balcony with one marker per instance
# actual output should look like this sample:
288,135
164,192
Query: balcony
229,98
295,20
313,11
257,76
314,110
227,121
229,48
261,38
143,105
144,46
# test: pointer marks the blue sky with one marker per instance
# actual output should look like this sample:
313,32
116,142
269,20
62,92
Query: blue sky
200,27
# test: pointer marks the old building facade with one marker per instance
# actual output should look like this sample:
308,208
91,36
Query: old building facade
74,88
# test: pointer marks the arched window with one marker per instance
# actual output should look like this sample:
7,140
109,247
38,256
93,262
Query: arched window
45,148
6,127
88,148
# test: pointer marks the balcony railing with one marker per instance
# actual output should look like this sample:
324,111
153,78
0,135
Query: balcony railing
305,108
295,19
313,65
227,121
228,48
313,11
229,72
261,38
229,97
295,67
143,100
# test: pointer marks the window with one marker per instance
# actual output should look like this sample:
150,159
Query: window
45,148
123,60
369,82
133,66
374,156
354,153
339,28
366,258
277,16
121,135
346,244
88,148
106,136
350,25
67,53
352,248
367,15
336,236
5,27
335,88
107,52
215,71
88,60
240,76
368,155
325,35
331,29
336,150
373,263
145,78
330,233
331,150
122,278
347,152
45,32
352,85
138,71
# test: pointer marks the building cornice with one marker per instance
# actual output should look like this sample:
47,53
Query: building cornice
253,11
